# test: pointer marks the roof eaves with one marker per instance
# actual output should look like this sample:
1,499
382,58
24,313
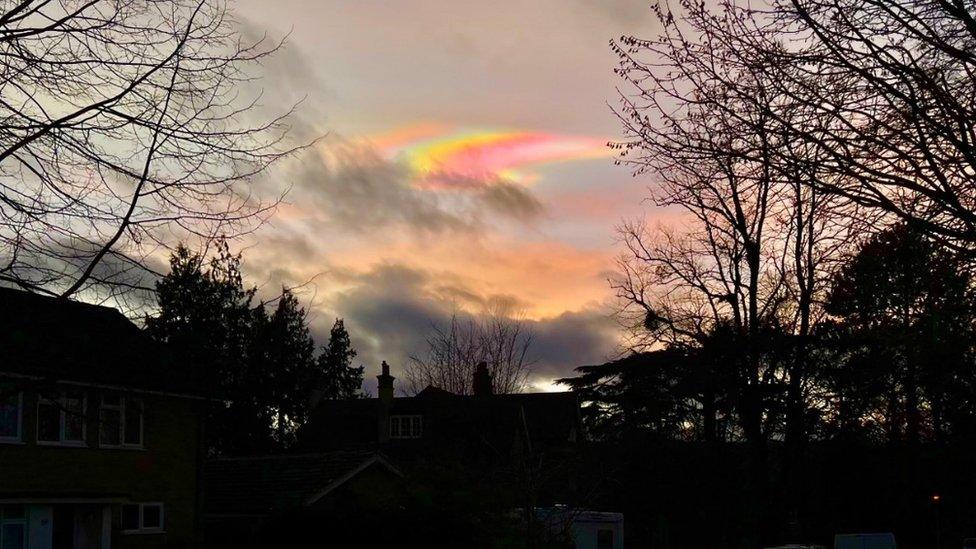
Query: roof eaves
110,386
352,474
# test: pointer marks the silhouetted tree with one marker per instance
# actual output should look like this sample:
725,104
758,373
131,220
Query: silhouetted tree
206,314
908,308
283,357
496,337
256,364
336,377
749,261
780,133
884,97
122,118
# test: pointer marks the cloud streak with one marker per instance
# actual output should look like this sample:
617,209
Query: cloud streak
351,186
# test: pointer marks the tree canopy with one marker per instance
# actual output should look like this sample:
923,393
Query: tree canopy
257,359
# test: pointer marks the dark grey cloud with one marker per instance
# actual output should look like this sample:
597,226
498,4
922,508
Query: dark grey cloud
392,309
512,200
572,339
352,186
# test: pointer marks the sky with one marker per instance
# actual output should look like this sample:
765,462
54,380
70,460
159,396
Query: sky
463,163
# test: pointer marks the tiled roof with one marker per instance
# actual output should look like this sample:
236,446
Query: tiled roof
66,340
258,486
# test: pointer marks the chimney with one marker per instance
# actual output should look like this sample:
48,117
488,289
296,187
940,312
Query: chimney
482,380
384,387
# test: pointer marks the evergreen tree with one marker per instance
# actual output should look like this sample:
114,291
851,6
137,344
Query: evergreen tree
206,315
285,354
253,363
337,377
906,311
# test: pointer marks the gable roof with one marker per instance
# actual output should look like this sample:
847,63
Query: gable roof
260,485
69,341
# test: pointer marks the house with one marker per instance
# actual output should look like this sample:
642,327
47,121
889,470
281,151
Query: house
477,455
435,420
276,501
100,435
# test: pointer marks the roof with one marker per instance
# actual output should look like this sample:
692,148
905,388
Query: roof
548,418
70,341
260,485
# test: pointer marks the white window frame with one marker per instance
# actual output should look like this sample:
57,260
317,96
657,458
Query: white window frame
19,437
406,420
62,415
121,406
142,529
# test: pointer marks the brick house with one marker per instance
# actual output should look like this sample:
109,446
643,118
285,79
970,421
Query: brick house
101,438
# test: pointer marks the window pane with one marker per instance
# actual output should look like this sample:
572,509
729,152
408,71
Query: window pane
604,539
74,418
111,400
13,536
48,421
130,517
110,427
9,414
133,421
152,516
418,426
394,427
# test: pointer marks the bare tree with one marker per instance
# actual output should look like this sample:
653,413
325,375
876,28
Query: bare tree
495,337
698,120
887,90
123,129
708,112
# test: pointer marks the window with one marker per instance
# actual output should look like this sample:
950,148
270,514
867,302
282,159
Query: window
11,403
142,517
604,539
120,422
132,422
406,426
13,527
61,419
110,421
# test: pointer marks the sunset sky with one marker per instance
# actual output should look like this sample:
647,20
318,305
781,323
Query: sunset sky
464,162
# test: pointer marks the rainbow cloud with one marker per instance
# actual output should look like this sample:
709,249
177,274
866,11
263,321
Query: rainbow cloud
443,157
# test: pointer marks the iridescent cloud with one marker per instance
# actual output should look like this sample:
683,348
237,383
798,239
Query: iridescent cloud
445,157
